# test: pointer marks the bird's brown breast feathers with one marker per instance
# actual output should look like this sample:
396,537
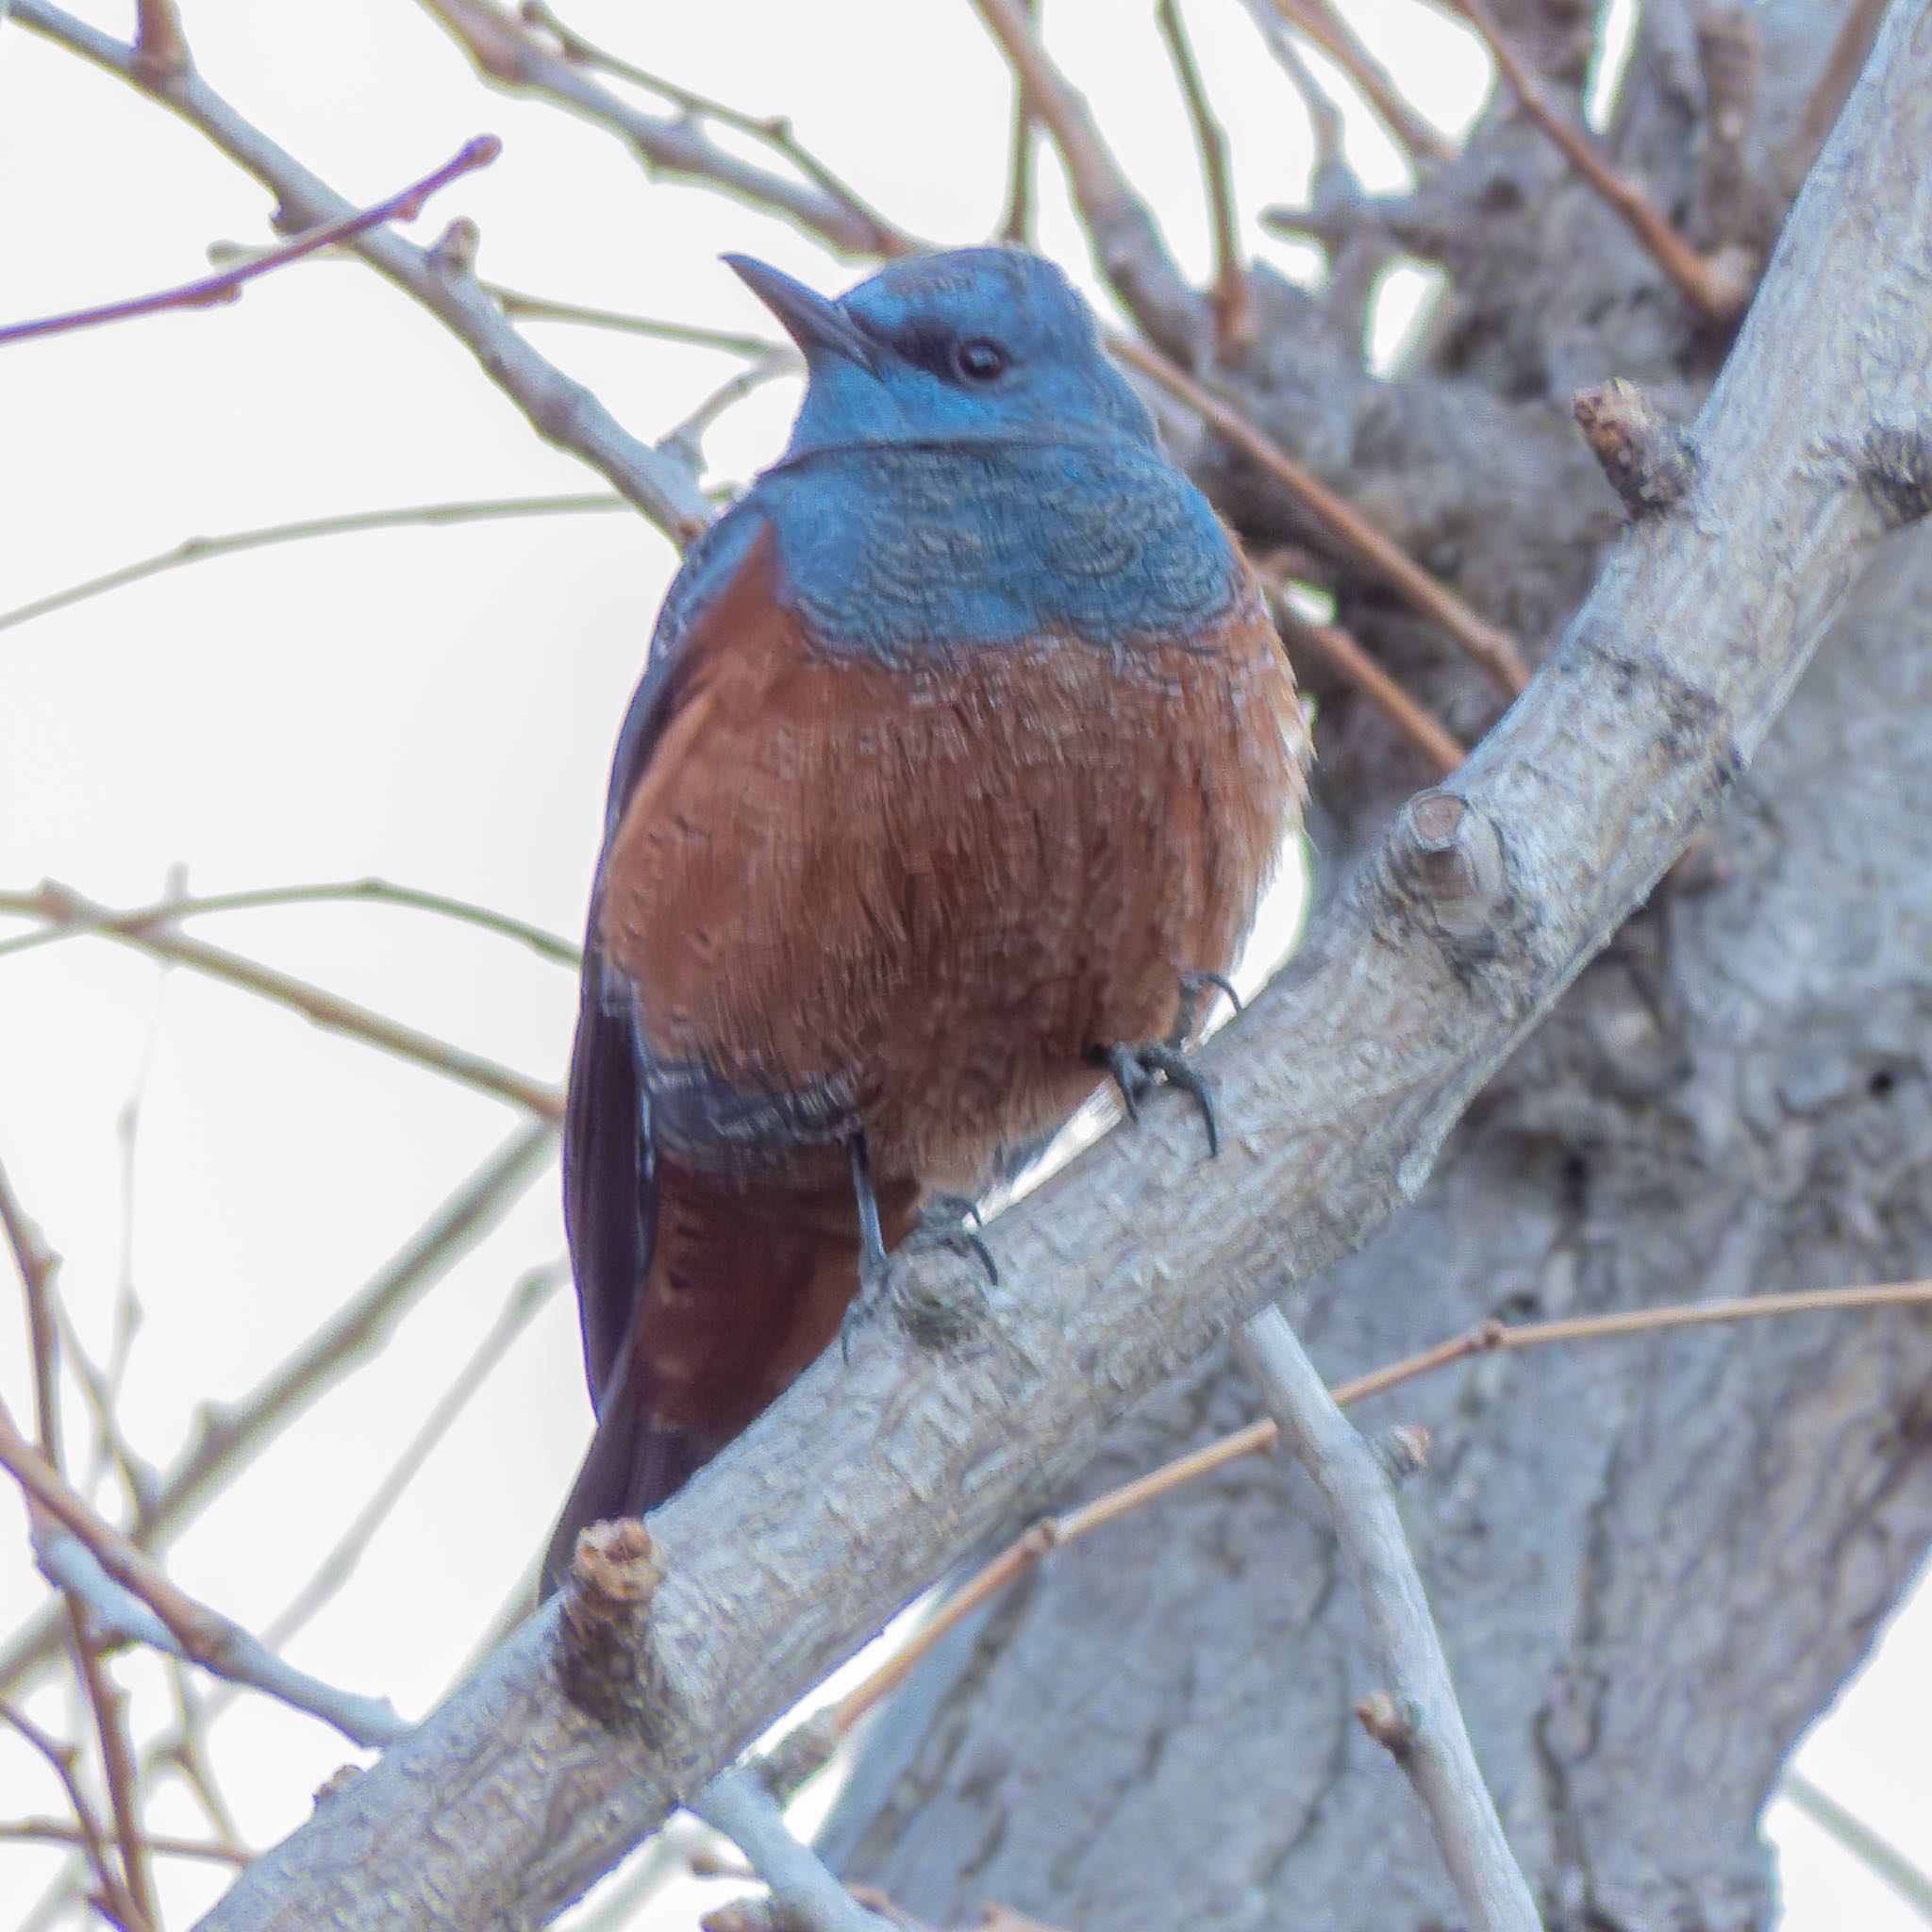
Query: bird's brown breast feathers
944,883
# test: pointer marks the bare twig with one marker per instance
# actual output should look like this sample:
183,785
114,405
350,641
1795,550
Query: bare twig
1880,1857
228,1437
115,1898
1433,1746
1717,286
1489,647
1017,228
178,1623
1233,300
804,1892
160,48
226,283
1325,118
775,132
806,1747
56,1831
1330,31
508,53
515,302
546,946
560,409
1126,243
1833,87
61,907
36,1266
199,549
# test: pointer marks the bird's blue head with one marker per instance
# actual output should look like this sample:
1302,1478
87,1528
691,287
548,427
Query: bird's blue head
981,345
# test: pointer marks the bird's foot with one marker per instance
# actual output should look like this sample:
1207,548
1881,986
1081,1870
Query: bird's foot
936,1314
1193,987
1138,1070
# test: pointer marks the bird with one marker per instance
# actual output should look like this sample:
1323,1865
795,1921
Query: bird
964,751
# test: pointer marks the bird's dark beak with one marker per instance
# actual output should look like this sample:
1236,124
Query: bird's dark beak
817,325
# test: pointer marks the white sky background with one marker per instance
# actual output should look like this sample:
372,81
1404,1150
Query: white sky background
438,707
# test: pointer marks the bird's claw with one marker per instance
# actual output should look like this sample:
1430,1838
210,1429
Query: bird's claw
938,1320
1138,1070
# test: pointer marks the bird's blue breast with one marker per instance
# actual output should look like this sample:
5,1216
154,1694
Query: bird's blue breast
898,551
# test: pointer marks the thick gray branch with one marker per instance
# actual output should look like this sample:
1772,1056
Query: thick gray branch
1429,1739
1459,932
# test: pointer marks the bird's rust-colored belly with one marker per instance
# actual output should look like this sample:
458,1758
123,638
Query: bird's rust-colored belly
941,886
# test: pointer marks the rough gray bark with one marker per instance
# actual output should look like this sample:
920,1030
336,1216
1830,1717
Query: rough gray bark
1653,1561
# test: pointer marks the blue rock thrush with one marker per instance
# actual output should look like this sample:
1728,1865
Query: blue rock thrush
964,753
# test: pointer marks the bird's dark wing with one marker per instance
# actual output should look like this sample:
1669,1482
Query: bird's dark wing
607,1146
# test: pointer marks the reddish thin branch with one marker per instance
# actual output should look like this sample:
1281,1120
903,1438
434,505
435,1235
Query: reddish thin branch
1491,648
810,1742
1716,286
226,283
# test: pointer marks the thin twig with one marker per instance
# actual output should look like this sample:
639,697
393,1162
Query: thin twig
1430,1741
119,1770
508,53
1487,646
1878,1857
59,1832
1258,1439
160,47
63,908
228,1437
560,408
1324,117
775,132
226,283
1330,31
1233,300
199,549
1837,78
371,892
1017,229
515,302
1126,243
1716,286
60,1757
179,1623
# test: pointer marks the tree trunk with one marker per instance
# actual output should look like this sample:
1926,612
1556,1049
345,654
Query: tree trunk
1656,1560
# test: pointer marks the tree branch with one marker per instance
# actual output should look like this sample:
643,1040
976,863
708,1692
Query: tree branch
227,283
229,1437
325,1009
1126,243
1430,1742
1337,1087
560,409
175,1622
1718,285
509,54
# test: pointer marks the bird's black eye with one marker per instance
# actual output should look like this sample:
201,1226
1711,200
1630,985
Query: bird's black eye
979,361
